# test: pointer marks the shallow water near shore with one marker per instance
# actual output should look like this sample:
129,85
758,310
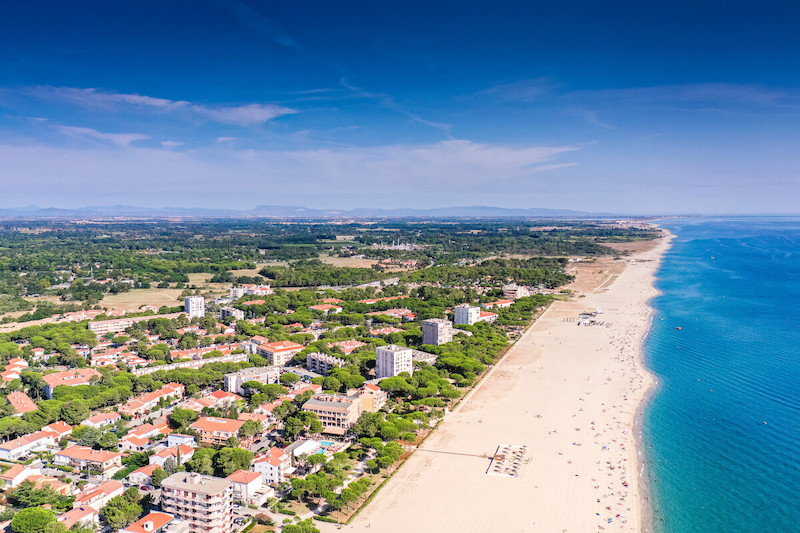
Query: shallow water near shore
722,432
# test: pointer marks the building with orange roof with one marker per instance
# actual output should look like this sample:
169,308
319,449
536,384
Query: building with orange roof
215,430
262,419
17,474
180,454
68,378
224,398
279,353
372,397
61,429
97,497
157,522
486,316
83,457
79,515
502,304
16,449
274,465
332,301
145,403
349,346
326,309
102,420
143,475
385,331
21,402
248,487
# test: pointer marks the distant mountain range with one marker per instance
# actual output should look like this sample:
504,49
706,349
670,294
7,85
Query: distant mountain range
289,211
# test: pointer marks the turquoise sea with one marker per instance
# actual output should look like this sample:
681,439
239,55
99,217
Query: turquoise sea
722,431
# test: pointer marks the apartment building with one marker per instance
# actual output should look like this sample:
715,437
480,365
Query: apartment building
348,346
514,291
279,353
466,314
263,374
147,402
83,457
273,465
391,360
102,327
68,378
194,306
215,430
372,398
205,502
437,331
337,413
225,312
323,363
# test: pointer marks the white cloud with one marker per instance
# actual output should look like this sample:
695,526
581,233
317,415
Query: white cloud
120,139
171,144
240,115
244,115
227,139
432,174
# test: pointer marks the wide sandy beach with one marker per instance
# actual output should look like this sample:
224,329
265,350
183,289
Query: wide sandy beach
570,394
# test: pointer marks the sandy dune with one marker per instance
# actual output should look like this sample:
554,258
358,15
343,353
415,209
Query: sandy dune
570,394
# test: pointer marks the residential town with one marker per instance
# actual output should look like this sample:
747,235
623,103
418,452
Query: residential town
199,420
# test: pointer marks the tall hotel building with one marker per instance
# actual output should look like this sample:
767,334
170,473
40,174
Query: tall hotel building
194,306
205,502
437,331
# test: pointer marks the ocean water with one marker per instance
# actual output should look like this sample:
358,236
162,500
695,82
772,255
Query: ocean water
722,432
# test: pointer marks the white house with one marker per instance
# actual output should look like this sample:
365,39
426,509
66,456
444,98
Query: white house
274,465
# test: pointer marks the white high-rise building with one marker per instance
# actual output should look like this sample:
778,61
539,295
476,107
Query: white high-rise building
466,314
194,306
205,502
391,360
437,331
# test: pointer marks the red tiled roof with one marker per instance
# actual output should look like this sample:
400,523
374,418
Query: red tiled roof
21,402
243,476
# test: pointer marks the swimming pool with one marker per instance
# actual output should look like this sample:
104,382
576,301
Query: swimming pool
325,443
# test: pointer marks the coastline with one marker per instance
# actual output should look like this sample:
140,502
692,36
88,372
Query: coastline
577,380
645,495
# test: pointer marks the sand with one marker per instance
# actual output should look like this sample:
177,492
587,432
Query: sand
570,393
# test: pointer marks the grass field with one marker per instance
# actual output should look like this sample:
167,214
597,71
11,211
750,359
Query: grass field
347,261
132,300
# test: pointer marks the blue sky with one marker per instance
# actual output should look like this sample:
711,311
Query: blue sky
630,107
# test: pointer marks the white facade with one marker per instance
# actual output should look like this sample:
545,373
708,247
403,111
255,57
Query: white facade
205,502
225,312
515,291
466,314
437,331
323,363
194,306
391,360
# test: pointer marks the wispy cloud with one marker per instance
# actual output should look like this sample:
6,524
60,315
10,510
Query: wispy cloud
531,90
708,93
240,115
120,139
171,144
253,19
387,101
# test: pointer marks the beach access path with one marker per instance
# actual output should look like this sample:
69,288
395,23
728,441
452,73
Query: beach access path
568,392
